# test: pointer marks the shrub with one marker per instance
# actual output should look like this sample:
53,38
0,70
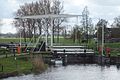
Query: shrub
38,63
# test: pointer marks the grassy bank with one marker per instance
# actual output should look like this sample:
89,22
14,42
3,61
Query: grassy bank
22,65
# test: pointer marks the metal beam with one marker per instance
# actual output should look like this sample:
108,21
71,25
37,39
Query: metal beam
102,40
52,32
52,16
47,16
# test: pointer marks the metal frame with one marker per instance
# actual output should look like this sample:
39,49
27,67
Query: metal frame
52,16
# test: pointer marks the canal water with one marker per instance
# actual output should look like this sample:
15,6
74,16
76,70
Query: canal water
75,72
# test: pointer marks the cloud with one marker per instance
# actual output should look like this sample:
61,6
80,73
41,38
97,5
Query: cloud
8,29
7,26
7,8
7,21
106,9
105,2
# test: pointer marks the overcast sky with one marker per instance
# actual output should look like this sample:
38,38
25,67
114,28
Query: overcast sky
106,9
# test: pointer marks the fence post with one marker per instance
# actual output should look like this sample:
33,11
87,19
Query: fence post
1,68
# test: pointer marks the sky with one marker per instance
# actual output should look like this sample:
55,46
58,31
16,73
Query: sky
105,9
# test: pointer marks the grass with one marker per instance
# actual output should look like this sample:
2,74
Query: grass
63,41
20,64
113,45
66,41
115,48
23,64
8,40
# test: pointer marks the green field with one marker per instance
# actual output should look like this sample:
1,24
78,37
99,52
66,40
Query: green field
8,40
62,41
115,47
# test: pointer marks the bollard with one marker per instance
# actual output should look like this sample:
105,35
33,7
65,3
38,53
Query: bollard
84,57
64,60
1,68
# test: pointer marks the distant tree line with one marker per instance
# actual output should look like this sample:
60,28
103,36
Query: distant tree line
8,35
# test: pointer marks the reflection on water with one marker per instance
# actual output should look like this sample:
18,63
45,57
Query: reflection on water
75,72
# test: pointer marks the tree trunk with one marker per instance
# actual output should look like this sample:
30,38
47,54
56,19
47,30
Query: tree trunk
39,26
74,36
24,33
34,31
40,30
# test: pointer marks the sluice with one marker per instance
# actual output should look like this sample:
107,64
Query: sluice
73,54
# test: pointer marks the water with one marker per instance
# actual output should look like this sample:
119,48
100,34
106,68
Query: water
75,72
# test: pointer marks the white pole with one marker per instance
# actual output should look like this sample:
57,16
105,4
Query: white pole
102,39
46,35
46,31
20,38
33,38
51,32
97,38
76,30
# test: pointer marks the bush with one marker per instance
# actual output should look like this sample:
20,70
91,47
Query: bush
38,64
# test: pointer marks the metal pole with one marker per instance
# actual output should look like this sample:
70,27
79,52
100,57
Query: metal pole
102,39
97,38
46,36
46,30
20,38
76,31
102,43
51,32
33,39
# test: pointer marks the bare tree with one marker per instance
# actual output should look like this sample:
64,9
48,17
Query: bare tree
32,27
116,22
101,23
57,8
91,28
76,33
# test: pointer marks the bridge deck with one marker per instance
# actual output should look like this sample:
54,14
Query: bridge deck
73,50
68,46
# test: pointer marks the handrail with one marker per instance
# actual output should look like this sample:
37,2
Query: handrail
41,46
36,43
